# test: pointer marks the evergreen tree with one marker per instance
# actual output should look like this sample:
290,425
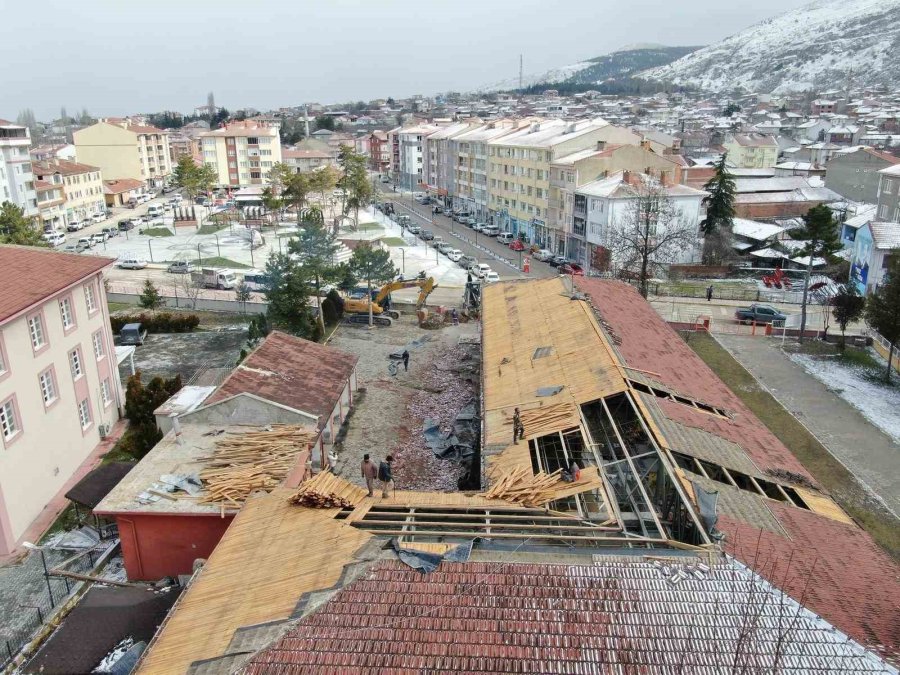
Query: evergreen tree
847,306
315,247
719,202
150,297
288,296
15,228
883,311
373,265
823,240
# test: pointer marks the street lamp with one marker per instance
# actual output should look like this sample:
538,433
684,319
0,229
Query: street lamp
218,250
199,257
403,256
149,245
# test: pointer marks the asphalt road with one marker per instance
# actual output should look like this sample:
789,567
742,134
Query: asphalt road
503,260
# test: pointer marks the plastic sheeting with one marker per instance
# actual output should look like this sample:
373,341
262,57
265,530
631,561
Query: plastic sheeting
428,562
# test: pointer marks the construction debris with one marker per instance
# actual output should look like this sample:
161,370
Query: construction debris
521,486
255,460
319,501
326,491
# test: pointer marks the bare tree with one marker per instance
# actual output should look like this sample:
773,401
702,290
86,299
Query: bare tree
652,234
189,288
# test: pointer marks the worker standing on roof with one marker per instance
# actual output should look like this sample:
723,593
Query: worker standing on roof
405,360
369,473
518,427
386,476
709,292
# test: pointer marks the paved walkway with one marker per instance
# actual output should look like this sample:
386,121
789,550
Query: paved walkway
869,453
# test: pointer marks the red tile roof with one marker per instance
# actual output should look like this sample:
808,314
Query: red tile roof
610,617
31,275
296,373
119,185
855,585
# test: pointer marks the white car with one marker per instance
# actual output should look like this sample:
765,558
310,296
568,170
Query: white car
131,264
454,254
480,269
98,217
544,254
490,276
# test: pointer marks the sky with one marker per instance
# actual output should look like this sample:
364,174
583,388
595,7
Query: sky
118,57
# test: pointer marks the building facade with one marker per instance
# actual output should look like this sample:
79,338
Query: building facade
123,149
380,153
855,176
59,383
752,151
82,187
440,159
411,164
242,153
16,177
304,161
889,194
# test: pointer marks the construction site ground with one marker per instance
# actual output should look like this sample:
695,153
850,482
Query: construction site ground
389,411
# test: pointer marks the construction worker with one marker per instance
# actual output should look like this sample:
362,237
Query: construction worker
518,427
709,292
369,473
386,476
405,360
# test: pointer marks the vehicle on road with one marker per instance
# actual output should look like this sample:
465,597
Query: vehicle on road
73,248
125,225
55,238
110,232
491,231
478,227
480,269
385,179
99,237
74,226
98,217
133,202
572,268
490,277
181,267
131,264
758,313
87,242
132,334
466,261
155,210
557,260
444,247
544,255
415,229
258,281
517,245
436,209
454,254
211,277
505,237
426,235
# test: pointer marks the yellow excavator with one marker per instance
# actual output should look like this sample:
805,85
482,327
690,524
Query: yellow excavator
357,310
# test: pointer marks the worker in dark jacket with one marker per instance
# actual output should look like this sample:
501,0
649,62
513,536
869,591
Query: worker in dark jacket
518,427
369,473
386,476
405,360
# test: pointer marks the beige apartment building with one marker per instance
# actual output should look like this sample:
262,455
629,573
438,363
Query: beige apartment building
123,149
242,153
519,171
59,383
82,186
567,218
752,151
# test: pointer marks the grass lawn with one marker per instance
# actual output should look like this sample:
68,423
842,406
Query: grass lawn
116,306
852,357
212,228
828,471
218,261
158,232
394,241
369,226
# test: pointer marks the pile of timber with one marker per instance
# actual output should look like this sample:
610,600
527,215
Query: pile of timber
252,460
521,486
325,491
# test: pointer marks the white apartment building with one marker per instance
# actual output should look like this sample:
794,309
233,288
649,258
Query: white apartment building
242,153
609,202
411,167
59,382
16,178
82,187
439,161
124,149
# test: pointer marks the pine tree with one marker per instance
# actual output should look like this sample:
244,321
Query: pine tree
15,228
150,297
719,202
883,311
373,265
822,237
847,306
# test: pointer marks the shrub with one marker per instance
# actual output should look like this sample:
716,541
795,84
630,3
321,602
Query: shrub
163,322
329,312
337,301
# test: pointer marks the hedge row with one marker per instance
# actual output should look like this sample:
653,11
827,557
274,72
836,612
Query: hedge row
162,322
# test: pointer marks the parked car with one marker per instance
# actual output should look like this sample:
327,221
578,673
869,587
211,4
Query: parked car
258,281
454,254
131,264
491,230
490,276
505,237
99,237
478,227
436,242
415,229
72,248
444,247
544,255
759,314
557,260
55,238
466,261
110,232
461,217
426,235
436,209
480,269
87,242
181,267
517,245
74,226
98,217
572,268
468,221
132,334
132,202
87,222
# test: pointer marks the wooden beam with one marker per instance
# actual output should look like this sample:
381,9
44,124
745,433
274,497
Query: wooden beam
511,526
507,535
451,514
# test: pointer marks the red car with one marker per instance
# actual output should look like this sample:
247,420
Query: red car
517,245
571,268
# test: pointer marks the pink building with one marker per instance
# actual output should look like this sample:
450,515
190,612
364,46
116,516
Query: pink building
60,391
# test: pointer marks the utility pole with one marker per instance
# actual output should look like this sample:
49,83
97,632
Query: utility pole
521,71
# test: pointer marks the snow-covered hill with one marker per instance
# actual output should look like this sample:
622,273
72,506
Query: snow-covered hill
823,45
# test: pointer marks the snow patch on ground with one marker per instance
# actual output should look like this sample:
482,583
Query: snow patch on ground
878,403
105,666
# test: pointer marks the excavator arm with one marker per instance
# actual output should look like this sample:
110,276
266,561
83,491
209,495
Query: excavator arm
426,286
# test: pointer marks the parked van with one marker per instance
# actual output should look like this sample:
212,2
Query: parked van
55,238
505,237
155,210
257,281
491,231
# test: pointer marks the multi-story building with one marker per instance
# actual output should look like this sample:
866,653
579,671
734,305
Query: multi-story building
519,172
303,161
394,153
51,199
182,145
609,204
379,152
412,159
16,178
889,195
242,153
440,161
59,383
82,186
752,151
855,176
568,224
123,149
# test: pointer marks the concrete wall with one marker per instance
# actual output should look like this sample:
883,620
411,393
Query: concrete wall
110,147
208,304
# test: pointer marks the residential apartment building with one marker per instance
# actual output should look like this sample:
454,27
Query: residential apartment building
123,149
439,160
752,151
609,203
304,161
394,153
51,199
411,164
16,178
242,153
855,175
889,195
379,152
82,187
182,145
567,222
519,172
59,383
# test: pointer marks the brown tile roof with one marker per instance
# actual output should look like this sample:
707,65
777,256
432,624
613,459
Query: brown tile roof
31,275
892,159
119,185
296,373
63,167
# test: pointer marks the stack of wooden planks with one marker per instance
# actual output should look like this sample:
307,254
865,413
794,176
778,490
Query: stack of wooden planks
521,486
325,490
254,460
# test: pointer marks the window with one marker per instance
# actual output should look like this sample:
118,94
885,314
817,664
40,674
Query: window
36,330
888,186
65,311
883,211
84,414
75,363
48,387
97,339
9,421
105,392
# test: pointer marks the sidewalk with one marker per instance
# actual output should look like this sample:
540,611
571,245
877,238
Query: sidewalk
865,450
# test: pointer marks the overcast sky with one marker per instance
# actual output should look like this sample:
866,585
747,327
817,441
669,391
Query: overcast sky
116,57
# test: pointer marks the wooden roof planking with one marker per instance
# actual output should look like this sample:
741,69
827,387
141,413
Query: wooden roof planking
533,336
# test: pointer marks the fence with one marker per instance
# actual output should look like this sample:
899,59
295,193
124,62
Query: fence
722,292
30,593
883,347
202,303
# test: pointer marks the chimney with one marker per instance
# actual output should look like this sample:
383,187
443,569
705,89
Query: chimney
664,178
645,144
535,126
601,145
626,177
